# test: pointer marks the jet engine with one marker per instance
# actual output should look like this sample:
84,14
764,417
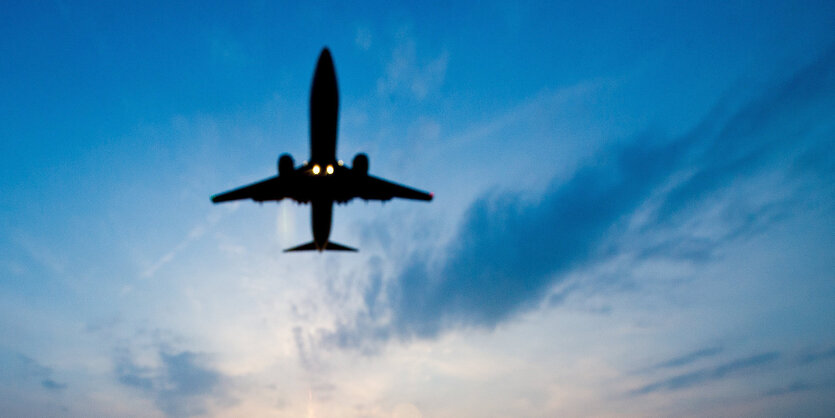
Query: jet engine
360,165
285,165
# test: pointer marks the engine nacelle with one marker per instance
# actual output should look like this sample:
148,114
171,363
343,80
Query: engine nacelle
360,165
285,165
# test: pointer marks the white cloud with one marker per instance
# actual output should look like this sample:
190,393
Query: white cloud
408,72
362,38
40,253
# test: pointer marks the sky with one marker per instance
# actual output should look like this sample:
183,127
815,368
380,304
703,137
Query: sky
634,210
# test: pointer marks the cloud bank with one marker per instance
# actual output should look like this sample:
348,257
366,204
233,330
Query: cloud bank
508,253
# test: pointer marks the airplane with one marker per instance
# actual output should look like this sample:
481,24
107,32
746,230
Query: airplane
323,179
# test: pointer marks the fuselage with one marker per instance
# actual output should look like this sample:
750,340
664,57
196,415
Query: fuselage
324,118
324,111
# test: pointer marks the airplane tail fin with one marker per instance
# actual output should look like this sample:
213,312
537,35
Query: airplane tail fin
330,246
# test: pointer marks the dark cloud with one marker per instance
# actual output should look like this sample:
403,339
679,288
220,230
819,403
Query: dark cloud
180,385
686,380
689,358
24,370
129,374
509,253
795,387
762,133
53,385
816,356
801,386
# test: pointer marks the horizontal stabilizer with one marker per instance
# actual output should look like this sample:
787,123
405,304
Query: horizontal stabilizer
332,246
311,246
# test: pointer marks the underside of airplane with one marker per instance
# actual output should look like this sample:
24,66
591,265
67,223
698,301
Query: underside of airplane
322,180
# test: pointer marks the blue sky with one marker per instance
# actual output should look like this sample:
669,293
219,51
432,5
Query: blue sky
634,211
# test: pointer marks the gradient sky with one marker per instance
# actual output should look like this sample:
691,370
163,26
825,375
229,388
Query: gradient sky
634,210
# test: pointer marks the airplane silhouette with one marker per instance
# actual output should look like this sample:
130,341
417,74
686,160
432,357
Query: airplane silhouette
323,179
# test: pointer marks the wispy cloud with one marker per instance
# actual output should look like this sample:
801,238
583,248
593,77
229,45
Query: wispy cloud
363,38
775,362
226,49
686,380
772,131
800,386
42,254
407,73
194,234
689,358
794,387
181,384
21,369
508,252
815,356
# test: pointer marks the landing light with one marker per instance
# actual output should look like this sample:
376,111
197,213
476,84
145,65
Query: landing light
330,169
340,163
316,169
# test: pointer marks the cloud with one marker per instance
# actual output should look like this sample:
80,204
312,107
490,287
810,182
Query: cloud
705,375
795,387
180,384
42,254
226,49
817,356
406,73
22,370
194,234
689,358
749,364
800,386
783,122
53,385
509,253
362,38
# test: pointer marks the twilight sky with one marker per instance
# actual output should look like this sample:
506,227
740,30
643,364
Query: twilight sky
634,210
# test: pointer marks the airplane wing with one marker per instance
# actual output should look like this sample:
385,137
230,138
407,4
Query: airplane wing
273,188
375,188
